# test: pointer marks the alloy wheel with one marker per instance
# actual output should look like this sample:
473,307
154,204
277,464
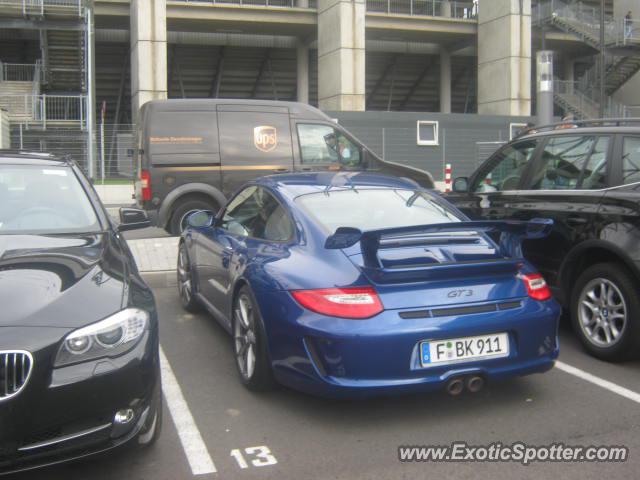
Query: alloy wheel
184,275
244,336
602,312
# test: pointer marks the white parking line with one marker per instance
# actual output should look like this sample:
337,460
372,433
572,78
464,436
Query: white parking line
190,438
601,382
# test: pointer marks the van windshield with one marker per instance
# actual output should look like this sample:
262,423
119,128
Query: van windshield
373,209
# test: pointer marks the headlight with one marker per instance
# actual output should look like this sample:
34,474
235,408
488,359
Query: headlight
110,337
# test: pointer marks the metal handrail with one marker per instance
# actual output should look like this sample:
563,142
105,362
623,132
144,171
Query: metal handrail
17,72
463,9
47,108
310,4
42,7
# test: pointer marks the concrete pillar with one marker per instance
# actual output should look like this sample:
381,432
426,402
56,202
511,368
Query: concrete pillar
302,3
445,81
148,52
341,55
446,8
504,57
302,54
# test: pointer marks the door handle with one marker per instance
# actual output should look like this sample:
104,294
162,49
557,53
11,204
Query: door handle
576,220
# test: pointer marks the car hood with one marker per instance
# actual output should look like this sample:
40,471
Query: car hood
60,281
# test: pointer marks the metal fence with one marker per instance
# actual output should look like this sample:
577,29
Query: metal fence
17,72
42,7
457,146
631,111
432,8
60,108
44,109
260,3
114,145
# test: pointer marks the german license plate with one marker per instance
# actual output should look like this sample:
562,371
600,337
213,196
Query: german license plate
438,352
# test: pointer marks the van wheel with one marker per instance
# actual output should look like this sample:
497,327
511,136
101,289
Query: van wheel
183,209
605,312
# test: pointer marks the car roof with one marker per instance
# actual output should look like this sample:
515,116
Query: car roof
296,184
23,157
583,127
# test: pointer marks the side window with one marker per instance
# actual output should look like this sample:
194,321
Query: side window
568,161
505,170
254,212
322,144
594,175
631,160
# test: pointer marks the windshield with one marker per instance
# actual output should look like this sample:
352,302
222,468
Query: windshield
43,199
374,209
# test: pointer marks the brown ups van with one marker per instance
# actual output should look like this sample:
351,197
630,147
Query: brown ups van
193,154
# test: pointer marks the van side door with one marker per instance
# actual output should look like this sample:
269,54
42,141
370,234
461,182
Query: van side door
253,143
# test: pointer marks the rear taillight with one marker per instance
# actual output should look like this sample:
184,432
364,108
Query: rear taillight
537,288
145,185
358,302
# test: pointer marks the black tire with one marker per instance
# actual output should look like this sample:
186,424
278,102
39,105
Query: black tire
182,208
592,317
261,377
186,284
150,433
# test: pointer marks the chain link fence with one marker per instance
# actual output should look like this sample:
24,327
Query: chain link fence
113,146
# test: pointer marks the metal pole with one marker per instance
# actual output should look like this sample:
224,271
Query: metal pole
102,115
544,81
90,86
603,94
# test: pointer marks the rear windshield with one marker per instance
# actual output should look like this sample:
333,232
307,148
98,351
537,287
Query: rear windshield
374,209
44,199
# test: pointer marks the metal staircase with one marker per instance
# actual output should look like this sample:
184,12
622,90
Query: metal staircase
622,45
570,17
620,72
65,62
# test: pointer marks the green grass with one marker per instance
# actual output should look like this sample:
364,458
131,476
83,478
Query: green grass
113,181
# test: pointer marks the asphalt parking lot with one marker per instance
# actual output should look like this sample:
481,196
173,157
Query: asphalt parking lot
223,427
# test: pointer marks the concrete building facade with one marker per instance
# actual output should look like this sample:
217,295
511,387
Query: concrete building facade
428,56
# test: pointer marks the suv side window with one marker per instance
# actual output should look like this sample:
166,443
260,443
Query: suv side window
506,168
322,144
631,160
571,162
255,213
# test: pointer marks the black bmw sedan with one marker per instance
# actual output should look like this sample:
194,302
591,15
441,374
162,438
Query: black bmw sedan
79,352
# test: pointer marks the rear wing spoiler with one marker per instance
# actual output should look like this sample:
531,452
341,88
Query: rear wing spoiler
512,233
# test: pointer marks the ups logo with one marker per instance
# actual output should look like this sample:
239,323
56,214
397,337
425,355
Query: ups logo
265,138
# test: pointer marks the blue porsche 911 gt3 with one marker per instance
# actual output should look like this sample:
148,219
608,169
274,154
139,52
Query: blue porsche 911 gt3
357,283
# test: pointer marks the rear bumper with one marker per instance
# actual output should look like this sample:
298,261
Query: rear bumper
336,357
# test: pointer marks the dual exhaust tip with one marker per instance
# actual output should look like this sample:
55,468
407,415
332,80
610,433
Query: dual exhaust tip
473,383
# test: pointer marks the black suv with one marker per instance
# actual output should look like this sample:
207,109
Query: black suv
586,177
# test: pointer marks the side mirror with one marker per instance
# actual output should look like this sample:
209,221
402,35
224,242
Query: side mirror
133,219
461,184
201,219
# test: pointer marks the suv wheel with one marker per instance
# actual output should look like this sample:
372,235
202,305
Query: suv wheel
605,312
182,209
